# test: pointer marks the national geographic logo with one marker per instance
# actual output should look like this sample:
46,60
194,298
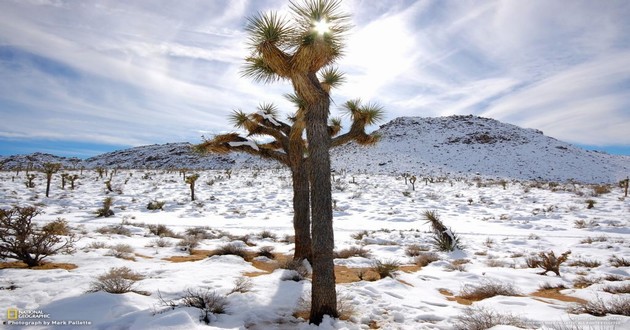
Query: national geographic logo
12,314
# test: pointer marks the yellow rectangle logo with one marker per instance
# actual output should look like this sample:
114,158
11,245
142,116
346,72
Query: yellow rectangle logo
12,313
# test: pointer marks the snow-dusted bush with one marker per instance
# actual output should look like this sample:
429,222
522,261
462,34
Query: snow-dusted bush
425,258
232,249
156,205
188,243
480,318
161,230
117,280
385,268
266,251
114,230
297,270
353,251
415,250
619,262
23,240
123,251
487,289
598,307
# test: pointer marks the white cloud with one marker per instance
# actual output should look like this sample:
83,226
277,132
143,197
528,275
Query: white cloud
154,71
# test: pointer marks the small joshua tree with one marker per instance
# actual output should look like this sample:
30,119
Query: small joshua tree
23,240
72,178
50,169
29,181
412,180
64,176
624,184
191,179
105,211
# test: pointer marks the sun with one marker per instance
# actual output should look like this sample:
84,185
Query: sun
321,27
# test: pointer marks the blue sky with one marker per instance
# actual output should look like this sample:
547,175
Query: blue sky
81,78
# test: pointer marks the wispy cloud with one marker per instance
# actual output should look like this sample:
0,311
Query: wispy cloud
130,73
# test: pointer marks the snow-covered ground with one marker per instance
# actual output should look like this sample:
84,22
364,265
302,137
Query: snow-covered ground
500,224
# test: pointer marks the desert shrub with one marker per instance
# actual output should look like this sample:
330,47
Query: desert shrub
23,240
624,288
619,262
202,233
114,229
590,203
425,258
297,270
487,289
106,210
242,285
123,251
156,205
415,250
581,224
443,238
268,234
353,251
549,286
480,318
614,278
360,235
209,302
57,227
232,249
97,245
385,268
161,230
266,251
601,189
548,261
117,280
598,307
582,282
584,263
289,239
188,243
590,240
160,242
495,263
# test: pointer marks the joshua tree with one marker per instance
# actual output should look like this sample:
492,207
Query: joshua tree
64,176
50,169
72,178
288,148
191,181
297,50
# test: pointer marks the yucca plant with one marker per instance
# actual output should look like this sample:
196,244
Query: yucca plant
443,238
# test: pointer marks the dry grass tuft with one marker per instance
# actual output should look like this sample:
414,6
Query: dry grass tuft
598,307
486,290
480,318
352,251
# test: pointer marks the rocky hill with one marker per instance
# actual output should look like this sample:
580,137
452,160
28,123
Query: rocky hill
464,145
454,146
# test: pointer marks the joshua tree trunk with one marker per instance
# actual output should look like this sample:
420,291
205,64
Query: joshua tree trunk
48,179
324,296
301,213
